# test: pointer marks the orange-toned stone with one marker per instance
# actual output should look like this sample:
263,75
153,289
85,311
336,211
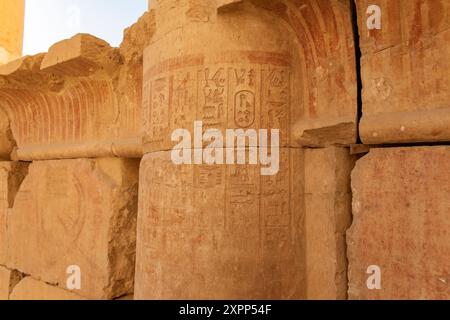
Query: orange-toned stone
278,81
12,14
11,178
8,280
401,224
327,198
5,275
226,232
77,212
405,72
6,139
220,232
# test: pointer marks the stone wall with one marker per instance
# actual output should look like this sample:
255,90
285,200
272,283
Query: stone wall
70,145
354,211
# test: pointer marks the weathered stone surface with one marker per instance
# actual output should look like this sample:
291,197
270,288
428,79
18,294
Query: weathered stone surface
5,275
82,99
30,289
5,170
227,4
56,114
79,56
299,78
137,37
401,210
77,212
226,232
11,177
6,139
405,72
219,232
328,200
8,280
12,14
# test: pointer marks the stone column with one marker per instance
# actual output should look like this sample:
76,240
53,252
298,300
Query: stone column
227,231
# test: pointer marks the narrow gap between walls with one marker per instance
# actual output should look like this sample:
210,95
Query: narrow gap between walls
358,56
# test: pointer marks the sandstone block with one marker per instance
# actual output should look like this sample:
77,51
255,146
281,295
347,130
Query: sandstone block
405,72
79,56
401,224
219,232
12,14
327,198
6,139
5,275
77,213
11,177
8,280
30,289
82,99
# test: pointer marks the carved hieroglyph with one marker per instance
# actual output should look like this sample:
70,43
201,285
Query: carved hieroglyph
401,210
226,232
220,232
76,212
31,289
405,72
81,99
299,77
12,14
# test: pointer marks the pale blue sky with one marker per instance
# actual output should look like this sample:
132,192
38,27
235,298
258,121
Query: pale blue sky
49,21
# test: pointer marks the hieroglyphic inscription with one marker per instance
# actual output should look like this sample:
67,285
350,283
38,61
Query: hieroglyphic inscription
276,208
223,96
159,112
244,105
213,97
202,222
4,172
183,109
242,198
276,100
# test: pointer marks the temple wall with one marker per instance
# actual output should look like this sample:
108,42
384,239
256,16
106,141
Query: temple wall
88,179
